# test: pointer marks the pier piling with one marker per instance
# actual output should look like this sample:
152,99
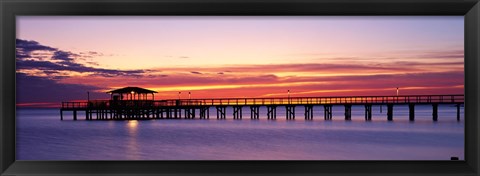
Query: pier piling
327,112
290,112
74,115
368,112
271,112
435,112
205,112
411,112
389,112
308,112
255,112
348,112
237,112
221,111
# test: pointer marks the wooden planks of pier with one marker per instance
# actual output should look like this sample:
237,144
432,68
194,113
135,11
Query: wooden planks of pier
190,108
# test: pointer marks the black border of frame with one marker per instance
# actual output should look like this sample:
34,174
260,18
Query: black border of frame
10,8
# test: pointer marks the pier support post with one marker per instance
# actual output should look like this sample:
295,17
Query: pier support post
255,112
187,113
74,115
435,112
411,110
290,112
221,112
389,112
237,112
204,112
160,113
271,112
169,113
458,112
327,112
61,114
368,112
308,112
348,112
193,113
175,113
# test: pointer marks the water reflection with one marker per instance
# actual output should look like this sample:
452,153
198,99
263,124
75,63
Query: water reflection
132,144
132,126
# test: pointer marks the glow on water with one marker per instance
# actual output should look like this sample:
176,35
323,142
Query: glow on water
42,136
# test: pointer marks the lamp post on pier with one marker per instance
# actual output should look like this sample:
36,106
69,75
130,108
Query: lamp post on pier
288,96
88,99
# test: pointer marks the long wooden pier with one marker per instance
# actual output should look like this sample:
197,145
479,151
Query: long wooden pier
191,108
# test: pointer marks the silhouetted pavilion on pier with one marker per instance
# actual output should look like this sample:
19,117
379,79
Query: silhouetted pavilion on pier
131,93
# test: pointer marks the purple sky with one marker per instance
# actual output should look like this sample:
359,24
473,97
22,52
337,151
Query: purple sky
254,56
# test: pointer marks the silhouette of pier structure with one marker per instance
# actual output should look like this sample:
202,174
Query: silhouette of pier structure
137,103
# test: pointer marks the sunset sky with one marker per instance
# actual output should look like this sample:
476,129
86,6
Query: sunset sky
61,58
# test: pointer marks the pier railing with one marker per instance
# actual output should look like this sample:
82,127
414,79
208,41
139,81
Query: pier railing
111,104
416,99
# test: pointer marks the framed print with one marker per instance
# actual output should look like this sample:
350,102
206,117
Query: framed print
284,88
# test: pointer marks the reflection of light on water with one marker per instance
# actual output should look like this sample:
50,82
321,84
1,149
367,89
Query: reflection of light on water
132,145
132,126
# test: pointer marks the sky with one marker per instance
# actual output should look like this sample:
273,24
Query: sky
61,58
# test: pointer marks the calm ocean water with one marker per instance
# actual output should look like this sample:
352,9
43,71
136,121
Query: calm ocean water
42,136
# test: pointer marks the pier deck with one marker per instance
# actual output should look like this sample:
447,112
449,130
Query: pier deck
172,109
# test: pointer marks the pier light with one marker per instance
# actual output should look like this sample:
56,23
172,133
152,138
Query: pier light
288,96
397,91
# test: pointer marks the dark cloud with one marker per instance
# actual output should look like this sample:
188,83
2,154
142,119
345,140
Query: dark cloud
51,72
64,56
21,55
195,72
24,48
61,61
33,89
28,46
220,73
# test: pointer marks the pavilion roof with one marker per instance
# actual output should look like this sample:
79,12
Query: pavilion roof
131,89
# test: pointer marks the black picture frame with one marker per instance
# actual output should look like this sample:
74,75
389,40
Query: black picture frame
470,9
